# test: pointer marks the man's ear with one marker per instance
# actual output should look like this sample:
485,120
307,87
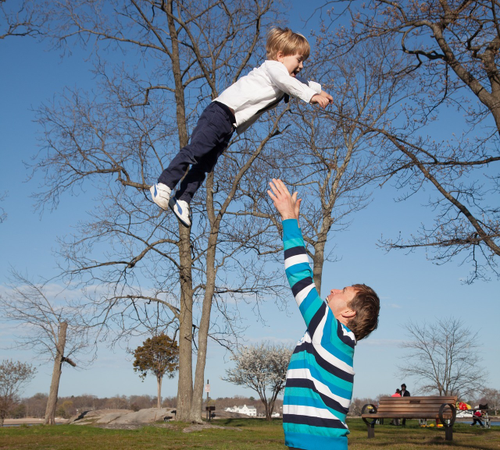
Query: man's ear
348,313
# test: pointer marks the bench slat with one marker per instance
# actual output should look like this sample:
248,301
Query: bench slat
406,412
406,408
413,400
405,416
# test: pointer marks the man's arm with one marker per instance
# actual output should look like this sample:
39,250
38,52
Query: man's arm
297,267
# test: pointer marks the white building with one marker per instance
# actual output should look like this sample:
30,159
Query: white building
247,410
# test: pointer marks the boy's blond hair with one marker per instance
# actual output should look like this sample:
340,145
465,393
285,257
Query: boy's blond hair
286,41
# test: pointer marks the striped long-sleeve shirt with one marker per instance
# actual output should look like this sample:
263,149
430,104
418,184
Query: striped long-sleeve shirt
320,375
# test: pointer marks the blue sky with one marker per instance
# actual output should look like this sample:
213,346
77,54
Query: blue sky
411,287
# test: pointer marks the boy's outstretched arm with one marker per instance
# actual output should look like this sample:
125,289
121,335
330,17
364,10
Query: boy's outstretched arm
323,99
287,205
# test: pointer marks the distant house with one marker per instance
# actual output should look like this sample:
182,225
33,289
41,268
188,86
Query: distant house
247,410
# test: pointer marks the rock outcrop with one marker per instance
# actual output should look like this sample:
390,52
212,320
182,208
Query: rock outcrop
117,417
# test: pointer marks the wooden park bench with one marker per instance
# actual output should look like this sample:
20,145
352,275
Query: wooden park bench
431,407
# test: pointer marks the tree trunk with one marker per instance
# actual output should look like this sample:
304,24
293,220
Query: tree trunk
185,384
268,412
202,357
50,412
318,261
201,361
159,380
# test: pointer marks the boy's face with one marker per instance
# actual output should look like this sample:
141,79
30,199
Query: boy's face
339,300
293,63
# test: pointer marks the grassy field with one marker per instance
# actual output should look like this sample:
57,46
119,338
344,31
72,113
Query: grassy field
236,434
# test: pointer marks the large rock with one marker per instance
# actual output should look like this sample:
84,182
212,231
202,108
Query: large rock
123,416
150,415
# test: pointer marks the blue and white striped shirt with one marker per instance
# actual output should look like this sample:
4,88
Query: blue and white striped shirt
320,374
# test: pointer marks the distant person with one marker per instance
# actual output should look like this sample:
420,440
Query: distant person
320,375
404,393
476,418
237,108
396,394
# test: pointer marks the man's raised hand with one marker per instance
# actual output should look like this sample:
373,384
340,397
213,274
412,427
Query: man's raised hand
287,205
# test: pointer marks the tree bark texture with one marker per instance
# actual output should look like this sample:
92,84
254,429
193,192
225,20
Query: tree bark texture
50,412
159,380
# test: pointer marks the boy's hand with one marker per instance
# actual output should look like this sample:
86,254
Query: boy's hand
323,99
287,205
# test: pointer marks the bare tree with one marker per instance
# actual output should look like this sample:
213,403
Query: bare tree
490,397
443,358
334,165
325,155
114,142
52,328
179,54
36,405
467,220
13,375
450,50
17,18
261,368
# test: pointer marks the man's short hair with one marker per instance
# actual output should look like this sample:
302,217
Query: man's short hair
286,41
367,306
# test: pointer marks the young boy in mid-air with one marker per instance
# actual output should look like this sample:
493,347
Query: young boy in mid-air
320,375
238,107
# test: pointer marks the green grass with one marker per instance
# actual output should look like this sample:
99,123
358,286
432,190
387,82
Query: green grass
240,434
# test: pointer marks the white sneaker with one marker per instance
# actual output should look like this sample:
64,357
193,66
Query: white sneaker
161,195
181,210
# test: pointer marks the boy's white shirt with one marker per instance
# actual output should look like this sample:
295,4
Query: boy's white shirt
252,94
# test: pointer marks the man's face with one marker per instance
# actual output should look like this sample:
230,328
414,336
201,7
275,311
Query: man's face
293,63
339,299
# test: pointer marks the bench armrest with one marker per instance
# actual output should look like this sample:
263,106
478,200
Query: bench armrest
453,410
373,410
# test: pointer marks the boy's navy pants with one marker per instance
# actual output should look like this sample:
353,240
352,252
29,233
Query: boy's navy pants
209,139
